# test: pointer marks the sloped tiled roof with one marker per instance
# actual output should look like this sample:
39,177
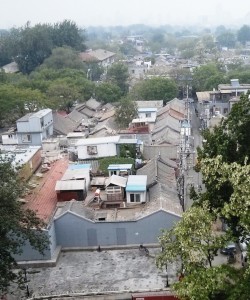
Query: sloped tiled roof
63,125
101,54
75,116
93,104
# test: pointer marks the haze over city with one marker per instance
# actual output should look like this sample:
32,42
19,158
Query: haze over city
85,13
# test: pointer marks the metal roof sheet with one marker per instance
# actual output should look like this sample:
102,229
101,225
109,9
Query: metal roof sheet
120,167
79,166
116,180
70,185
71,174
136,183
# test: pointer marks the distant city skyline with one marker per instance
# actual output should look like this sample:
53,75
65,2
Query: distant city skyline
15,13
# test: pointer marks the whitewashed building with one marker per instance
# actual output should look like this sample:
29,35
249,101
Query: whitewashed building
97,147
136,189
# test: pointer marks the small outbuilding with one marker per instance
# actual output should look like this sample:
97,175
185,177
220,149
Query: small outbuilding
136,189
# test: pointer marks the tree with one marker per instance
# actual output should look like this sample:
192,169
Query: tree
63,58
34,46
217,175
107,92
17,226
62,95
203,74
229,141
243,34
125,112
67,33
15,102
226,39
230,138
94,70
193,243
157,88
118,74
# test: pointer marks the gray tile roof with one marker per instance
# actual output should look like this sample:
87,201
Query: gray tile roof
63,125
93,104
75,116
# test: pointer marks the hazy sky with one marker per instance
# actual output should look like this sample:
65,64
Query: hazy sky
125,12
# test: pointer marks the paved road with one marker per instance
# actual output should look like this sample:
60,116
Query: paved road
192,177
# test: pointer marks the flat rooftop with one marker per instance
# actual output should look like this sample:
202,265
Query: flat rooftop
90,272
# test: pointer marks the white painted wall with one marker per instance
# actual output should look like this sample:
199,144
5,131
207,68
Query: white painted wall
103,150
142,197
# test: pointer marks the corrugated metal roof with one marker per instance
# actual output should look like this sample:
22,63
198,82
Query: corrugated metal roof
116,180
79,166
136,183
71,174
70,185
120,167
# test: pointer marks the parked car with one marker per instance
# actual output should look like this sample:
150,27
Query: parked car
228,249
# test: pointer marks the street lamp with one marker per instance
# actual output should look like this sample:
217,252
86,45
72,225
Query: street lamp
26,282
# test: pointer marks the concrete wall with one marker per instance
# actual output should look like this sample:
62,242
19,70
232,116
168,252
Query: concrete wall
36,139
28,253
75,231
103,150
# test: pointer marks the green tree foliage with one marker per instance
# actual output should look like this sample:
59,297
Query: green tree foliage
43,78
15,102
107,92
125,112
29,46
8,45
192,240
229,141
242,74
230,138
118,74
219,175
194,243
63,58
17,226
156,88
243,34
94,71
62,94
226,39
67,33
34,45
206,76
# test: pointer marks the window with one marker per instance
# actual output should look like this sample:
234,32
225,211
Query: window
92,150
148,115
26,138
135,197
